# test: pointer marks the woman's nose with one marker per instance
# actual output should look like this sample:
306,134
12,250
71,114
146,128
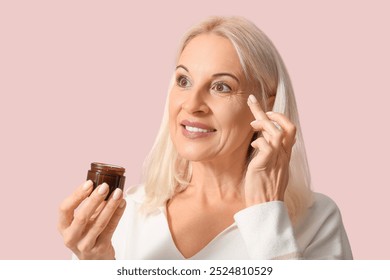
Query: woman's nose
195,102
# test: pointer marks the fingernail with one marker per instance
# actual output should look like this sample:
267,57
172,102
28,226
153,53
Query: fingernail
103,188
117,194
253,122
269,113
277,125
123,202
252,99
87,185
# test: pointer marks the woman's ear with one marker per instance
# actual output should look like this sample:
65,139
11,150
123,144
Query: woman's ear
270,102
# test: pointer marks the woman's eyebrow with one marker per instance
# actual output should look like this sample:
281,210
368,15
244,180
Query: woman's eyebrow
227,74
214,75
182,66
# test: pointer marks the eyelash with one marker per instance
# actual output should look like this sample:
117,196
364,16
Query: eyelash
213,87
180,78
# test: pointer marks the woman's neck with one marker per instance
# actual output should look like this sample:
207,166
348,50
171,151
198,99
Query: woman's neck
217,179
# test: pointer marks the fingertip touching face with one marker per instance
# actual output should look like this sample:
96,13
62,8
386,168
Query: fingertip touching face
208,112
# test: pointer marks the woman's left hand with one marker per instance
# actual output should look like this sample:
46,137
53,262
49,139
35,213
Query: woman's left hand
267,175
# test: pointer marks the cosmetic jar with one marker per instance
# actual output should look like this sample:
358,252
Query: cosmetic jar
101,173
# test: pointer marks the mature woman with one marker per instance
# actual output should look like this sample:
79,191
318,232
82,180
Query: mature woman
224,180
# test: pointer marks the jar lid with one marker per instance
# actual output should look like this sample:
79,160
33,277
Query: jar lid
107,168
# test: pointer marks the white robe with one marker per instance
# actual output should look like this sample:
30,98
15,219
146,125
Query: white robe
263,231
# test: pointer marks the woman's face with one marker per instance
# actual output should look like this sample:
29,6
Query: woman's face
208,112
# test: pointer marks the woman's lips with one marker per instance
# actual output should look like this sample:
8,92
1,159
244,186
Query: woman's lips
195,130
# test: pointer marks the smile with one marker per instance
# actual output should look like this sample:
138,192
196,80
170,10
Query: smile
197,129
194,129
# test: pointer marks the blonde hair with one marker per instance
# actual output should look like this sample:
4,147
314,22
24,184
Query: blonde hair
165,172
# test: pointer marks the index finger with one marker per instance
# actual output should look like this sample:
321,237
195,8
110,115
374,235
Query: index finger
256,109
68,206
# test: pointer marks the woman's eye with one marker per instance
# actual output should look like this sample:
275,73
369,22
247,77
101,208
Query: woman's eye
221,87
183,82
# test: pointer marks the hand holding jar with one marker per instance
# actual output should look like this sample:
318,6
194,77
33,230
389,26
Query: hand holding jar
90,215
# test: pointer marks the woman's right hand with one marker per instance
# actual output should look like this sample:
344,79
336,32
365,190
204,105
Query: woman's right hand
88,230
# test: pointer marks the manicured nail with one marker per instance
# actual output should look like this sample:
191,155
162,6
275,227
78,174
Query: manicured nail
269,113
252,99
123,202
117,194
103,189
277,125
87,185
254,122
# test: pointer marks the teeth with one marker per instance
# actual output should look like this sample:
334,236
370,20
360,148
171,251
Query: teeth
196,129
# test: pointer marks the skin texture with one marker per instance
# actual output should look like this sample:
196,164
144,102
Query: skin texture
207,99
218,188
269,169
210,88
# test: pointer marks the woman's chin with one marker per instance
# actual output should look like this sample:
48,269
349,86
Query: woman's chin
196,156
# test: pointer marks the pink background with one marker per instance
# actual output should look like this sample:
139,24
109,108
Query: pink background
84,81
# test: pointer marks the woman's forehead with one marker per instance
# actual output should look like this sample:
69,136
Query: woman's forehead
210,53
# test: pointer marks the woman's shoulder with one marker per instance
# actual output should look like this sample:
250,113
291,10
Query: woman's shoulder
135,197
323,211
321,233
323,202
135,194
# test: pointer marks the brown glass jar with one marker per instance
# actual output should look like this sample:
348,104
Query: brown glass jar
107,173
